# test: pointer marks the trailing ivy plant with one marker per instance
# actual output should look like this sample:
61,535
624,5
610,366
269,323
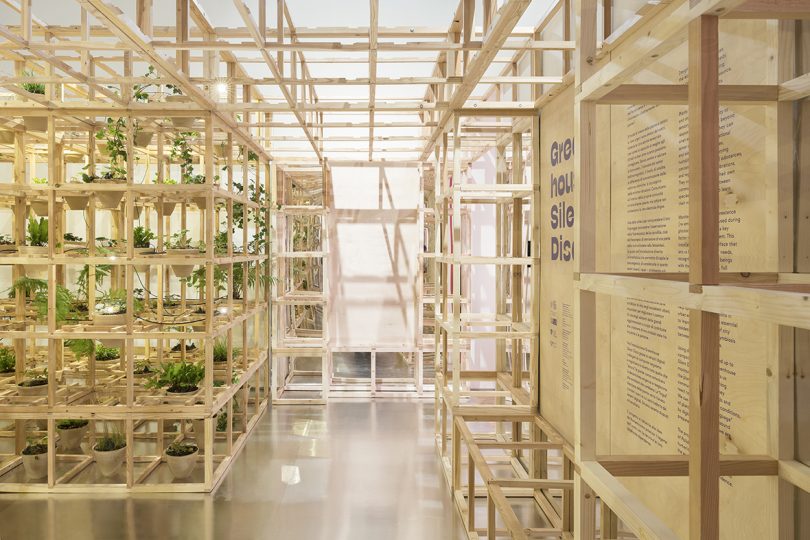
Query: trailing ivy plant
114,133
181,152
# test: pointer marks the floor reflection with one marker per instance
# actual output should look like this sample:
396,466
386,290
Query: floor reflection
352,470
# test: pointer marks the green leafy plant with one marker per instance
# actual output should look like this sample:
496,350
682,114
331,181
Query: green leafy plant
71,424
181,152
181,448
197,280
36,446
70,237
81,348
142,367
8,359
114,133
38,290
177,377
39,180
32,87
37,232
221,351
142,236
83,279
114,302
181,240
109,442
107,353
33,378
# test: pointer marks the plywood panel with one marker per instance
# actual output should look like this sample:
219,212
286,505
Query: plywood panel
558,200
649,348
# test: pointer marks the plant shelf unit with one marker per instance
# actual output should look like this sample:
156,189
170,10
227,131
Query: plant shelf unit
143,277
302,371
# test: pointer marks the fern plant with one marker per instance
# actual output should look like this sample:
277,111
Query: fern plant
37,232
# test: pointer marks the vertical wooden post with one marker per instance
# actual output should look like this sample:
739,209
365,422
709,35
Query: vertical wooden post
704,268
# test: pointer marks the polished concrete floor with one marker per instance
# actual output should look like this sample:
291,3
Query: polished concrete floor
350,470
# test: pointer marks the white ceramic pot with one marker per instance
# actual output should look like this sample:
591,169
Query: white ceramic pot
33,391
117,343
35,465
182,466
109,462
77,202
35,123
6,137
71,439
110,319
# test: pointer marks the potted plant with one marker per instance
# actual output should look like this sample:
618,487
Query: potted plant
73,240
40,206
37,289
106,354
181,457
179,244
36,384
71,433
34,123
177,377
35,459
109,452
7,244
221,351
8,360
142,369
142,237
37,239
111,308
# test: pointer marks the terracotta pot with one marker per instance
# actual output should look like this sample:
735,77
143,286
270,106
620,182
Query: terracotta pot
109,462
35,123
182,466
77,202
35,465
71,439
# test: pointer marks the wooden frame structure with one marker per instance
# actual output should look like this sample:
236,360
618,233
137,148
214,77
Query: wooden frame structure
110,395
707,293
301,298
